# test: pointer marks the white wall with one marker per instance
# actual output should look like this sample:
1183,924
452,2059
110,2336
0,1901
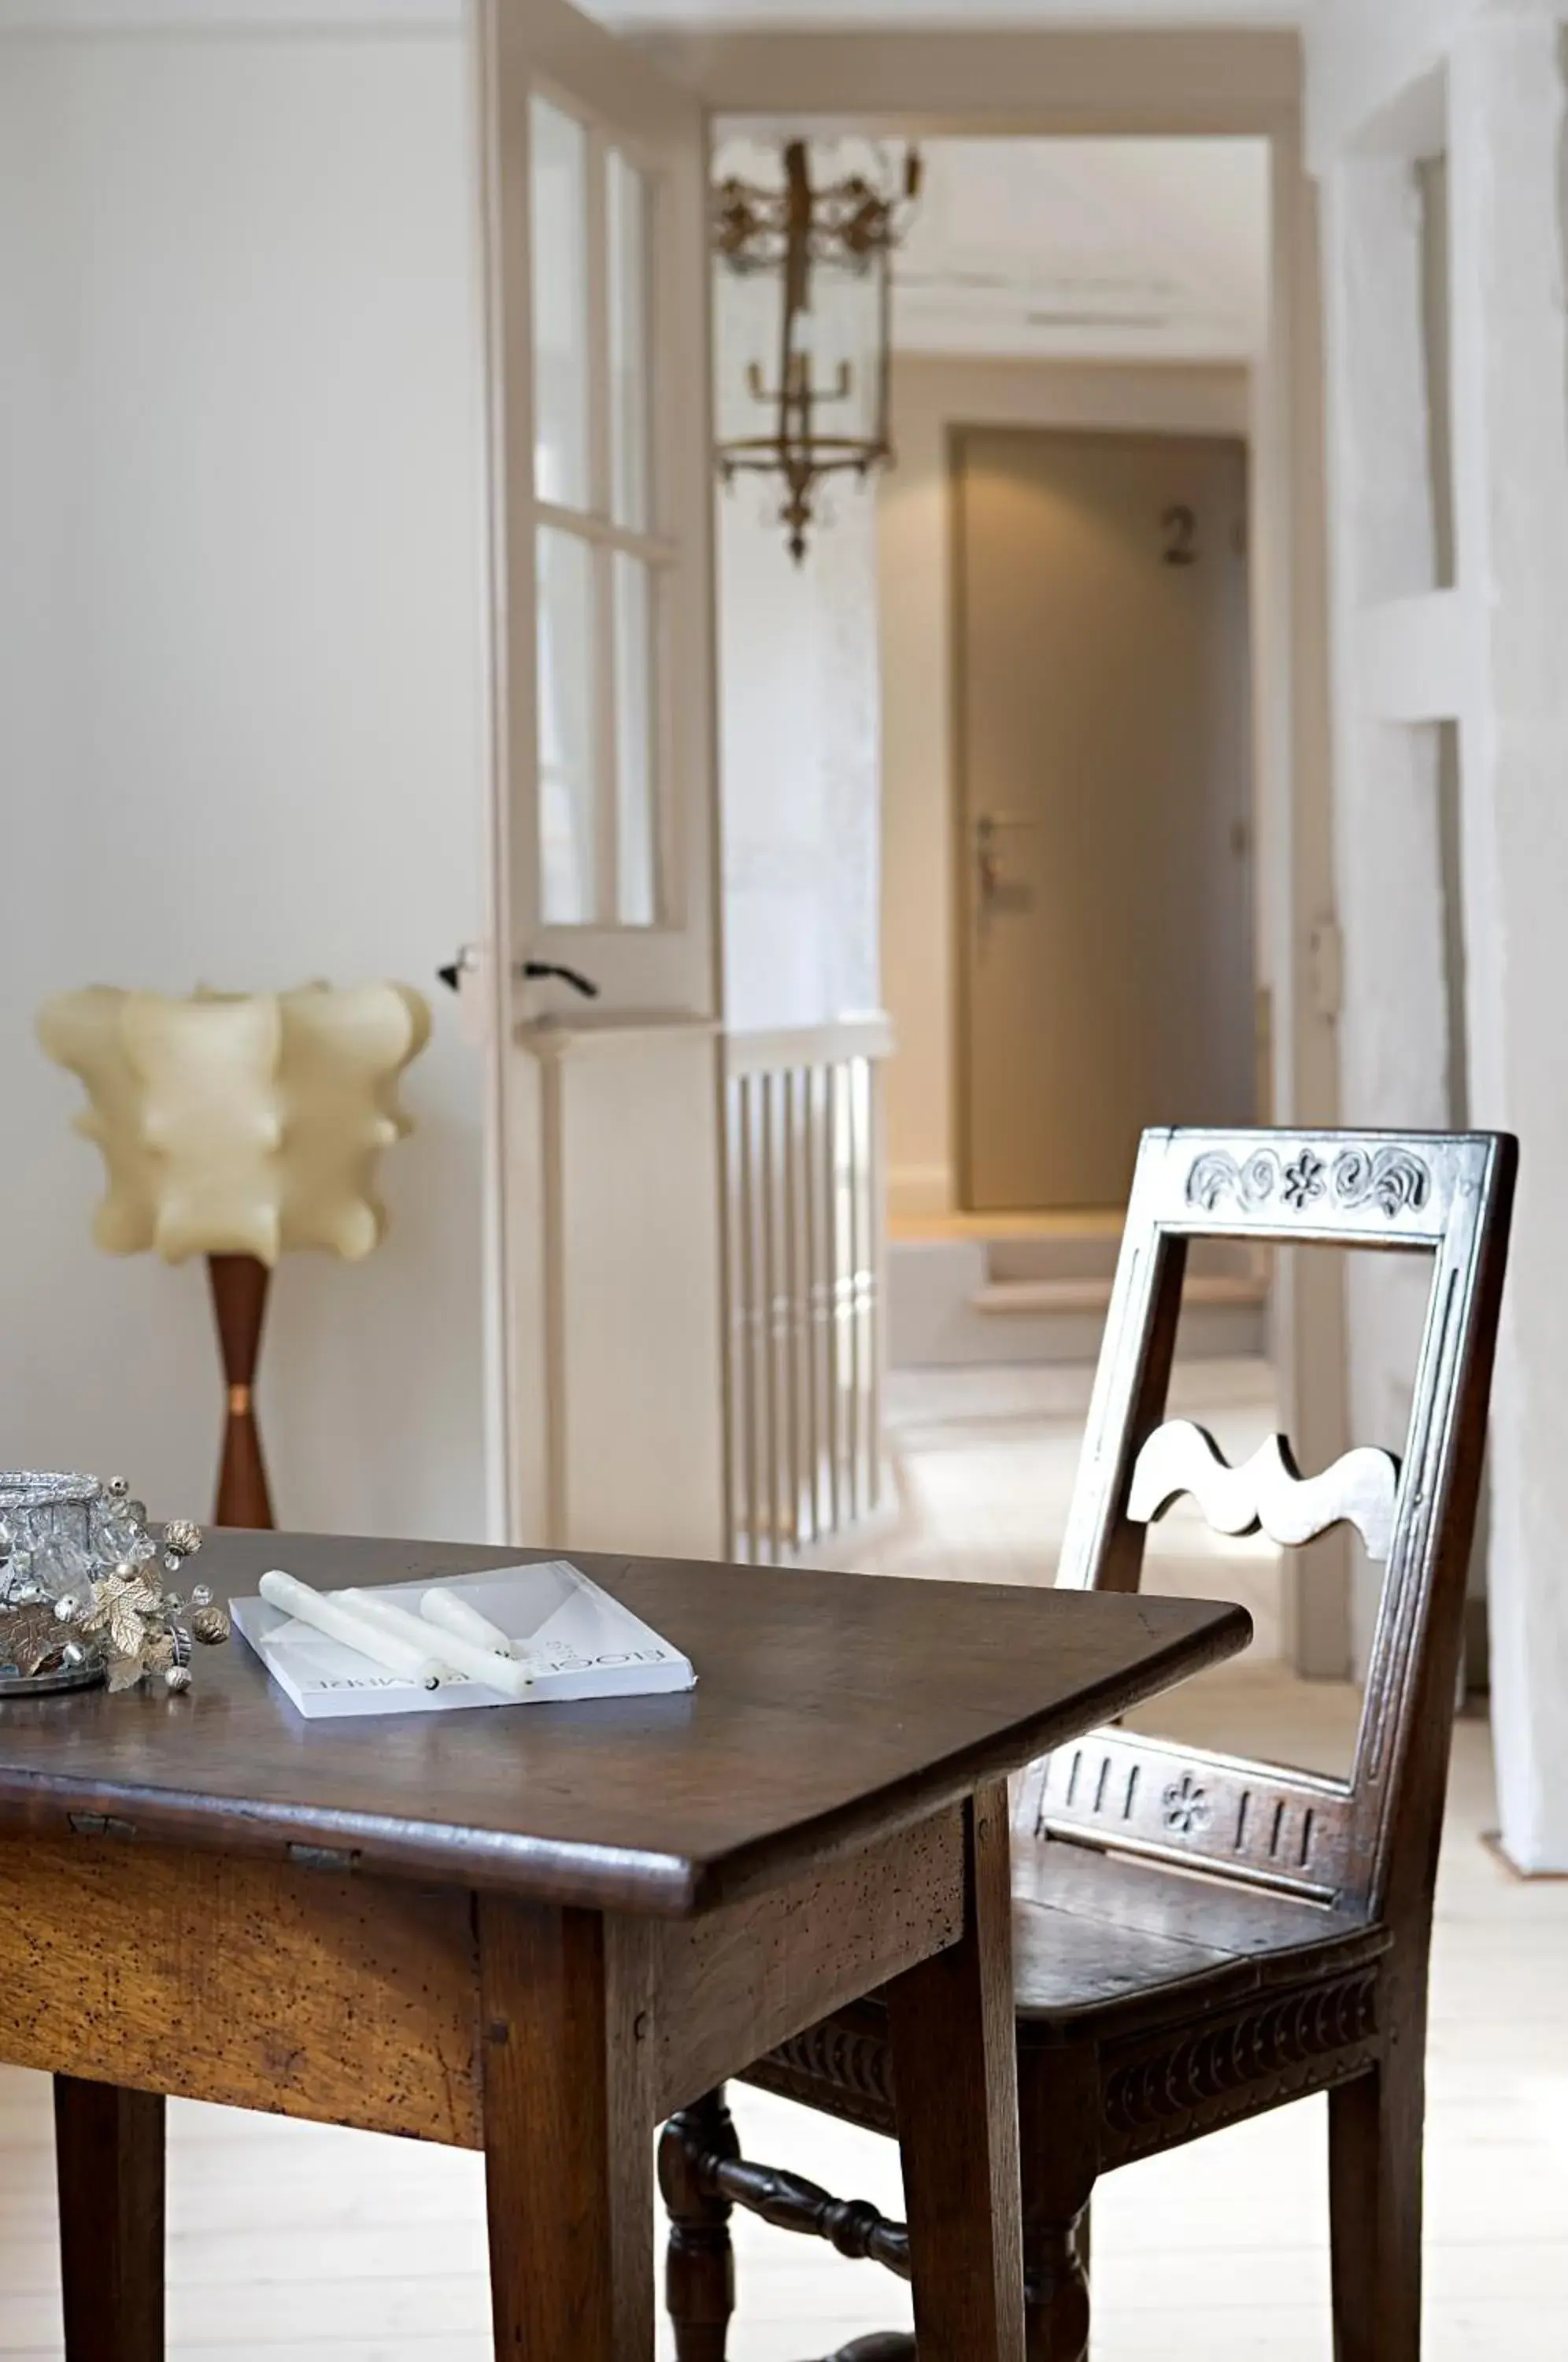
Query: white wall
241,701
1484,656
915,589
799,752
800,760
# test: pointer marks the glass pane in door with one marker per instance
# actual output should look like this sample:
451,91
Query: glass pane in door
636,895
560,263
631,392
567,706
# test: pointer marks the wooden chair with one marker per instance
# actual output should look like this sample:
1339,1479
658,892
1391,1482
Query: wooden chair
1198,1938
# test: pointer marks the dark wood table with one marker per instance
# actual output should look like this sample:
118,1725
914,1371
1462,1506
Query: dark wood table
538,1932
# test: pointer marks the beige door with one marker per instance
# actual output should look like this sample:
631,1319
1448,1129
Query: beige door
1103,804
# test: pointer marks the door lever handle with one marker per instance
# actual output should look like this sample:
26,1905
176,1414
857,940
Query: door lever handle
532,970
988,826
452,974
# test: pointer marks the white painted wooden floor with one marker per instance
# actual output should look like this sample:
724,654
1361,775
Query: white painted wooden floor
295,2243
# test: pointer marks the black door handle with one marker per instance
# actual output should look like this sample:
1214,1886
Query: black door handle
451,976
531,970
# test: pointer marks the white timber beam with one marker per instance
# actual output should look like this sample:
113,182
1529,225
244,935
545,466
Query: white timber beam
1395,1060
1375,70
1508,123
1414,658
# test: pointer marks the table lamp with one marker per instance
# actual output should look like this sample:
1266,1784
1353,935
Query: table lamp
239,1127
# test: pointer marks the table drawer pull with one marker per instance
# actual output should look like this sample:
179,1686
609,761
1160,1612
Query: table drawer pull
101,1825
311,1857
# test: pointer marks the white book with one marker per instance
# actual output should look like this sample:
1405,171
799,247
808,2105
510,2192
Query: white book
574,1639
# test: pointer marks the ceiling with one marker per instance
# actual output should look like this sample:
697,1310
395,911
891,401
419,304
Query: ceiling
1089,248
1065,248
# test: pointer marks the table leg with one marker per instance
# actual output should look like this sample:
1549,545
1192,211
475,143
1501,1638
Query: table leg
109,2165
568,2137
955,2077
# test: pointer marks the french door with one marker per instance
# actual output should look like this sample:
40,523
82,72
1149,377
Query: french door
605,1129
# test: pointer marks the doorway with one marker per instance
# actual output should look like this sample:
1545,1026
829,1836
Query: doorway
1070,775
1122,261
1103,798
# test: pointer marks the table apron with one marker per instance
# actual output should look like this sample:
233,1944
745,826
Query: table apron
719,1990
342,1999
352,1999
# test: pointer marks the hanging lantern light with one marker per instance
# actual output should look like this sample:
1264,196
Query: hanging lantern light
813,273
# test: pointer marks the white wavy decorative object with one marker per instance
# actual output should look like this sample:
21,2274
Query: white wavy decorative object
1267,1493
239,1123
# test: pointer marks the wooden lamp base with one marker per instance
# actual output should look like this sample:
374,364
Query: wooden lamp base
240,1284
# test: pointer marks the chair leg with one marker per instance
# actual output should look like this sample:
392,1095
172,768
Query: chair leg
1375,2127
1057,2289
700,2271
1058,2094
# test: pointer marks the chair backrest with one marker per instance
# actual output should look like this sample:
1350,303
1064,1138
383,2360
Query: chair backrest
1368,1843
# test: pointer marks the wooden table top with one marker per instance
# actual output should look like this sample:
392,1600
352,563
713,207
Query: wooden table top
828,1707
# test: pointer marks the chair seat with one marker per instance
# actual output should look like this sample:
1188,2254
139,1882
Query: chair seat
1120,1953
1099,1937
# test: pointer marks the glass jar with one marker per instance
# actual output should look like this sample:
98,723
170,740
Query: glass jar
58,1534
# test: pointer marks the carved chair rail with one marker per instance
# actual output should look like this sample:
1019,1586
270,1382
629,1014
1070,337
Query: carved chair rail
850,2068
1166,2090
1288,1831
1157,2091
1268,1494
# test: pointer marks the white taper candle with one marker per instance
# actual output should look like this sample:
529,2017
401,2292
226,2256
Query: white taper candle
454,1615
502,1675
390,1650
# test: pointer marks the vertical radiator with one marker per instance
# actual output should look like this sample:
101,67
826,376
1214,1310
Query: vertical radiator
806,1285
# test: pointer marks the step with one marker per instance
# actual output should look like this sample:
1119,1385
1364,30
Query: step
948,1309
1010,1258
1015,1296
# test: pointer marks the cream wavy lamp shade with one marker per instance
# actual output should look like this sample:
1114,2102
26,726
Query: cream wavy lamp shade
239,1124
239,1127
